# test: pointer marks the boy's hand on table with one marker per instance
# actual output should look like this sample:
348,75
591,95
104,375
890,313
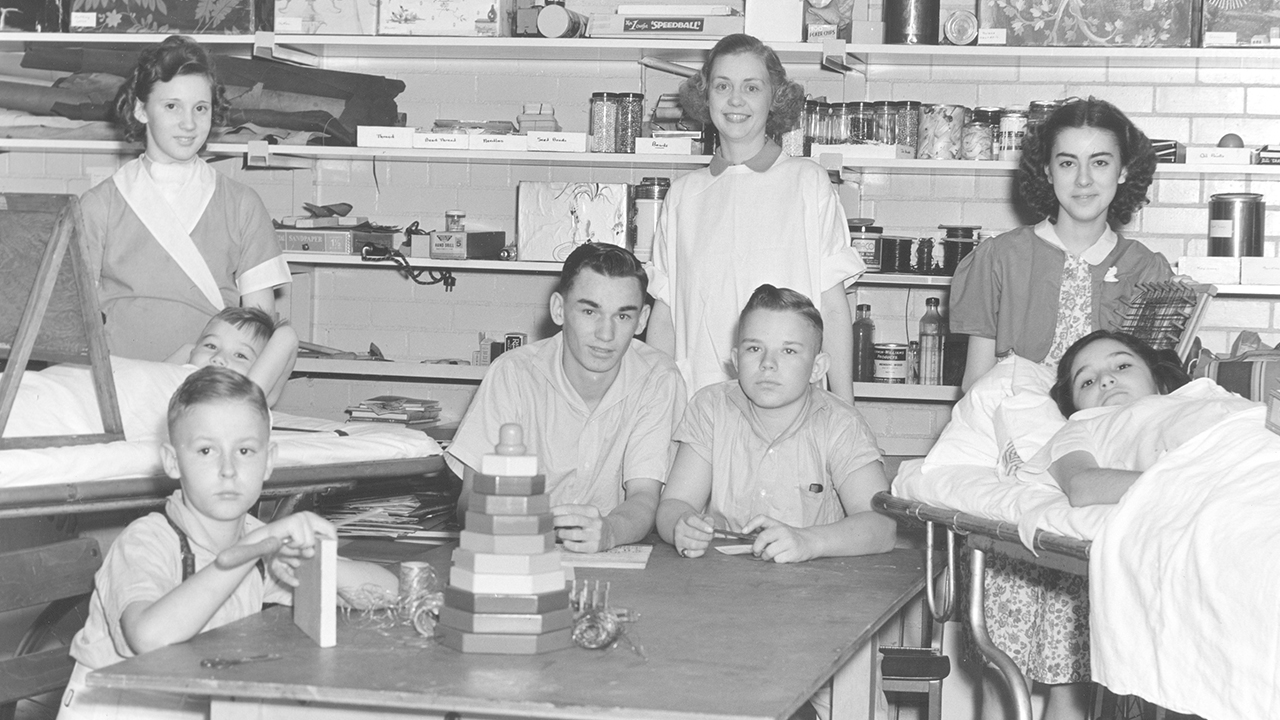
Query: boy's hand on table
693,533
780,542
298,534
581,528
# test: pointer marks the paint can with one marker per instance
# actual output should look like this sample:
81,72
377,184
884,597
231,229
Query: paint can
891,363
864,236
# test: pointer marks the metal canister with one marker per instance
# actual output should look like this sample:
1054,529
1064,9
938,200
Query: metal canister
891,363
1013,126
941,132
911,22
864,236
1236,224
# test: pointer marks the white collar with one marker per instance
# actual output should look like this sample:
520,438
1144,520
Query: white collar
1097,252
186,187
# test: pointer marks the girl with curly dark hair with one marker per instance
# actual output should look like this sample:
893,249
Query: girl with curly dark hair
1034,291
754,216
172,241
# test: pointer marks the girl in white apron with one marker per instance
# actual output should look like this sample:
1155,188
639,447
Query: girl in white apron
171,241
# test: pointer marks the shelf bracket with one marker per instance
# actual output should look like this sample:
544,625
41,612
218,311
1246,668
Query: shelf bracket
258,155
834,56
265,47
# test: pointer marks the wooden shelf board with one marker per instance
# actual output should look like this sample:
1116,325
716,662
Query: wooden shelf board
491,266
907,393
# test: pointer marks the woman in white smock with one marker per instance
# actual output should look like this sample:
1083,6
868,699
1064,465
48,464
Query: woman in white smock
753,216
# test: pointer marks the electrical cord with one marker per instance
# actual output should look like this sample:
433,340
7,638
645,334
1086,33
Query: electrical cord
372,253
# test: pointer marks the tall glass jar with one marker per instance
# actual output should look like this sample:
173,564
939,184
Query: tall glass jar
1013,126
863,123
630,120
838,131
941,132
824,124
908,123
977,141
812,129
1040,111
886,122
605,113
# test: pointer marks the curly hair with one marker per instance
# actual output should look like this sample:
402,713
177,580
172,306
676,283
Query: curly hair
1165,368
177,55
1136,157
788,95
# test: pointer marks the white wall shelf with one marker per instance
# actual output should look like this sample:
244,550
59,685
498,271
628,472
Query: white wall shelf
486,266
371,369
1069,57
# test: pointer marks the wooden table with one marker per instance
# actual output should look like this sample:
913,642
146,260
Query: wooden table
721,637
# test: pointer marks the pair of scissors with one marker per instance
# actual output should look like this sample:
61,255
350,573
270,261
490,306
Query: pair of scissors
731,535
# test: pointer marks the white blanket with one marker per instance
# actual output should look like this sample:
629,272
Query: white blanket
1185,577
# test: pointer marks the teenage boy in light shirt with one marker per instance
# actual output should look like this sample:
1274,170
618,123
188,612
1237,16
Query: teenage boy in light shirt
597,406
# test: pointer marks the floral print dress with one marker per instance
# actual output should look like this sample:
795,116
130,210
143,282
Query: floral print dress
1039,616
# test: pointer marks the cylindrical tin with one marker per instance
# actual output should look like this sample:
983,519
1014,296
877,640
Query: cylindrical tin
941,132
556,21
455,221
605,112
897,254
648,201
911,22
891,363
1013,126
1236,224
630,120
864,236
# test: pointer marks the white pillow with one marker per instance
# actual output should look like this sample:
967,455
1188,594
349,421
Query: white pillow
1026,419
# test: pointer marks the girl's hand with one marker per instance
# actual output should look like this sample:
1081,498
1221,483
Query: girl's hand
780,542
693,534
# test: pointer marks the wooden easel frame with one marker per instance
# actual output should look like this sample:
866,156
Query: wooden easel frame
66,240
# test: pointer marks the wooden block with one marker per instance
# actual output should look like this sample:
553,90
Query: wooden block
509,485
485,583
510,504
504,644
315,600
509,465
506,564
509,524
507,544
536,624
510,604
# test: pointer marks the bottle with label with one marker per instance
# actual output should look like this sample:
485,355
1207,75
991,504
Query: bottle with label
864,349
932,332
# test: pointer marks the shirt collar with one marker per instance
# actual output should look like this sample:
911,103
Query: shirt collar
184,518
1095,255
812,405
551,358
762,161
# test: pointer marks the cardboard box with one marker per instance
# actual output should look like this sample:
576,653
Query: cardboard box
384,136
1211,154
1259,271
571,142
775,20
1110,23
234,17
553,218
712,26
330,17
1219,270
33,16
1241,22
457,18
664,146
442,141
336,241
461,245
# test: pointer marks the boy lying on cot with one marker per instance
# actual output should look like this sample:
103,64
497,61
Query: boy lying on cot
245,339
1129,405
773,452
159,583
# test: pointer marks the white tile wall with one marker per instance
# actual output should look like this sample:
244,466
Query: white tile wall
355,307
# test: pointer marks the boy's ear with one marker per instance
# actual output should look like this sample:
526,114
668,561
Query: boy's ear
557,309
644,318
733,358
169,457
821,363
272,450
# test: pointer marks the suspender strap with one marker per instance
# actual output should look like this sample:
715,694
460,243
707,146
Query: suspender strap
189,558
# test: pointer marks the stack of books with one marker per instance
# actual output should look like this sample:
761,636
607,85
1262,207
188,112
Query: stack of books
409,412
424,516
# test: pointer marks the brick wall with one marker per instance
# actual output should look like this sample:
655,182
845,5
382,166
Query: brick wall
357,306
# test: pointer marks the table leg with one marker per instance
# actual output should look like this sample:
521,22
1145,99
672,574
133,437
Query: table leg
856,692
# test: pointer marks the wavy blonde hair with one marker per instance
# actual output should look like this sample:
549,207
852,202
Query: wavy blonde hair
788,95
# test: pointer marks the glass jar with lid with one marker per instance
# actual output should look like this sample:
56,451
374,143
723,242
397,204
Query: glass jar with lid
812,129
862,122
605,113
838,130
908,124
1040,111
886,122
630,120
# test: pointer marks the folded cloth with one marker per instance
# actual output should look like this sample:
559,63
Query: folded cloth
1184,577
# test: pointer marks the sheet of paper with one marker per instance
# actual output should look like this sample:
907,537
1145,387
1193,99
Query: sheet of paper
734,549
626,557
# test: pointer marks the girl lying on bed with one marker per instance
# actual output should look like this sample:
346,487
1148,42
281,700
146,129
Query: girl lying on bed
1128,406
